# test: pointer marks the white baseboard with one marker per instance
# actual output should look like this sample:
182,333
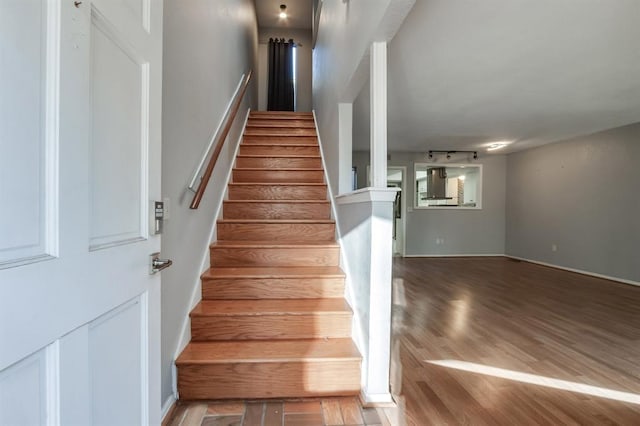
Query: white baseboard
456,255
376,400
167,406
577,271
524,259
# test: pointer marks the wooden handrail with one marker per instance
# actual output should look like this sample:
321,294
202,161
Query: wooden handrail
219,144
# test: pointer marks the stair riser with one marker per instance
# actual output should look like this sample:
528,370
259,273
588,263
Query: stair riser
260,327
276,231
246,149
261,115
275,139
272,288
277,256
279,163
276,380
278,176
279,192
270,131
282,123
275,210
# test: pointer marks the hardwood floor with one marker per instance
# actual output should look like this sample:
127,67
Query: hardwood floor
470,335
491,341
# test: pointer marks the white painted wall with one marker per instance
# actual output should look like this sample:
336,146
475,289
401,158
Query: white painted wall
207,47
582,196
345,33
366,230
302,38
465,232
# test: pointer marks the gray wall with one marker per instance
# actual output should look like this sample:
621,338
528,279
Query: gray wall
303,66
207,47
583,196
465,232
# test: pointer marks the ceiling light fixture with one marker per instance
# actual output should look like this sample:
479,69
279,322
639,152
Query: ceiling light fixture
497,145
283,11
449,152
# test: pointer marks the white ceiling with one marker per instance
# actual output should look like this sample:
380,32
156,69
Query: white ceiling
299,14
466,73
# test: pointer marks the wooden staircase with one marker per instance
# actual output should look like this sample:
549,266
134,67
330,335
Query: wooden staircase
273,322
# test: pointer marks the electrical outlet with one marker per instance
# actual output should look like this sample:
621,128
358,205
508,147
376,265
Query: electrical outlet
554,247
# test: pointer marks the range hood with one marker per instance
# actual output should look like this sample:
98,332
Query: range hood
436,184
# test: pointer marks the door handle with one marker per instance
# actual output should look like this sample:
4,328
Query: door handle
157,264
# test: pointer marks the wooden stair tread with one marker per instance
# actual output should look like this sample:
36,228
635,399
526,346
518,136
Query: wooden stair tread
275,244
253,144
267,169
275,272
276,124
279,201
279,221
280,131
265,351
273,310
277,156
269,307
277,183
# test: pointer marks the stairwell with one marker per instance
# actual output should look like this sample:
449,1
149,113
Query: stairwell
273,322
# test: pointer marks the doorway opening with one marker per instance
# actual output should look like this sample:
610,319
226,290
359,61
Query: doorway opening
282,75
396,177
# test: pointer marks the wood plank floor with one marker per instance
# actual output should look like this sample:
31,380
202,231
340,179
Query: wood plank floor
495,341
491,341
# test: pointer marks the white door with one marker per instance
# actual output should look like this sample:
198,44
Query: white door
80,87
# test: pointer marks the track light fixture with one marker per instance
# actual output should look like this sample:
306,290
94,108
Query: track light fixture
448,153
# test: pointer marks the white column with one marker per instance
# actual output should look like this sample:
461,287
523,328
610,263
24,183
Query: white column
378,80
345,135
377,384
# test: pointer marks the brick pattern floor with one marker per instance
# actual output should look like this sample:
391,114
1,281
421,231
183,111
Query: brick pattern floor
307,412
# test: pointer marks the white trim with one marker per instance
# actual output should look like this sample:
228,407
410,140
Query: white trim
345,151
367,195
457,255
146,15
370,400
378,114
145,124
52,129
577,271
52,360
144,357
167,406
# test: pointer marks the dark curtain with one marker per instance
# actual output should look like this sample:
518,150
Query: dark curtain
280,75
